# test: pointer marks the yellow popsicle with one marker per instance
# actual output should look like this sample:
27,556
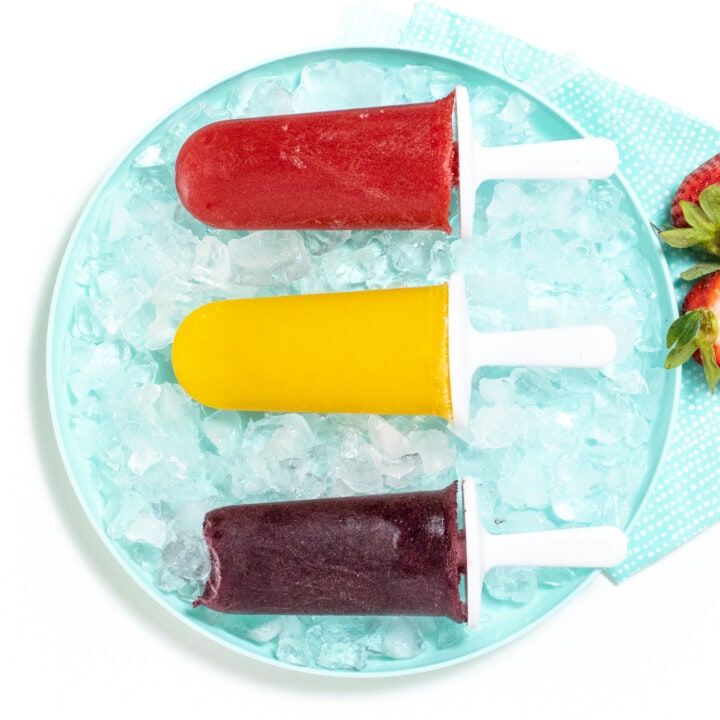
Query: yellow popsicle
376,351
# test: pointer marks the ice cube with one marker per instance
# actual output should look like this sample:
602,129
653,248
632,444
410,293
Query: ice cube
268,258
147,529
401,471
293,439
119,299
269,97
143,368
497,391
441,262
332,85
187,557
151,156
442,83
387,439
121,512
349,268
450,634
223,429
293,651
362,472
173,299
266,631
144,452
401,638
592,495
508,200
416,81
489,100
99,366
321,242
85,324
500,426
434,449
410,254
342,656
527,483
555,577
514,584
212,262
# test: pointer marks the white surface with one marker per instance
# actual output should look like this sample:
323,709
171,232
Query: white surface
80,83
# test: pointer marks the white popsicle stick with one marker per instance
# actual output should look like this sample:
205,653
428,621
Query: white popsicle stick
583,346
596,547
590,158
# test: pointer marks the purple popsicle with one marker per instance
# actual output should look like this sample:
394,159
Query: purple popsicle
399,554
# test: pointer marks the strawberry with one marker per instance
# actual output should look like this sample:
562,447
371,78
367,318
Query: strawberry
695,210
690,188
695,333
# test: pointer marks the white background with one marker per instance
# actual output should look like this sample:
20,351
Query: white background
81,82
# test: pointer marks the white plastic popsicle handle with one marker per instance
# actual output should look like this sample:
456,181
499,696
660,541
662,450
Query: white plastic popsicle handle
583,346
597,547
590,158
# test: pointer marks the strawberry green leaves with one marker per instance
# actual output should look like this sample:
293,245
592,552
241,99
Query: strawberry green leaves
703,219
695,332
699,270
709,201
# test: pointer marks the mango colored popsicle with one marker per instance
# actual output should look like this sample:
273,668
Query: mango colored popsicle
346,352
395,554
391,167
405,351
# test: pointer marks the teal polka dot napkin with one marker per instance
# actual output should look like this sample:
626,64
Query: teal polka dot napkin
658,145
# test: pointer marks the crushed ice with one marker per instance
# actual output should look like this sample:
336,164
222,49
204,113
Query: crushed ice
548,447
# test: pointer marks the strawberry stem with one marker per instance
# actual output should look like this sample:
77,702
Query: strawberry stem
710,366
695,332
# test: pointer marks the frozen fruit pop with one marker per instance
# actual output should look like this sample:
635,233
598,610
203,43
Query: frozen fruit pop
396,554
390,167
408,351
386,167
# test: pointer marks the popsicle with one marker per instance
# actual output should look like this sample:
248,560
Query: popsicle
405,351
390,167
398,554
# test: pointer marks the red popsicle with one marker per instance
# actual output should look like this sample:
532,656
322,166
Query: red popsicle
381,168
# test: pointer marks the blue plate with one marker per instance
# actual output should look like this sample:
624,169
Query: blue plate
505,620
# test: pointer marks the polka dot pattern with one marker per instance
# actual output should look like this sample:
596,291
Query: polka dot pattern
658,145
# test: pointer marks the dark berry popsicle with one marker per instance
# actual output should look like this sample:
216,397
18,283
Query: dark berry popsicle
367,555
396,554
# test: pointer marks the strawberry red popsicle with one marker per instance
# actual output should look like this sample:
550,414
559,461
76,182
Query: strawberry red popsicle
391,167
382,168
